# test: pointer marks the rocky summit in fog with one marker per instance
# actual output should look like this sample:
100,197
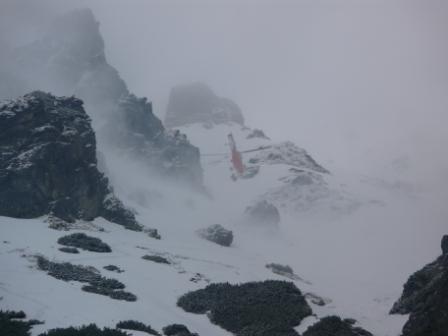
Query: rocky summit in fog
425,298
70,60
48,162
197,103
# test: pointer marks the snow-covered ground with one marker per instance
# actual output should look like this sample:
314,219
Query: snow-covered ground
353,240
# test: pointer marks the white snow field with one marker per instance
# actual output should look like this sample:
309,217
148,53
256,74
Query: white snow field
352,241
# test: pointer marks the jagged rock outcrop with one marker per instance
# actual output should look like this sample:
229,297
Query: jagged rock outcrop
286,153
48,162
167,152
335,326
70,60
217,234
444,245
425,298
262,214
197,103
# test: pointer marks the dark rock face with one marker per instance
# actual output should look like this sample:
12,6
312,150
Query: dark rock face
197,103
444,245
70,60
177,330
262,214
254,308
335,326
217,234
142,135
48,162
425,298
85,242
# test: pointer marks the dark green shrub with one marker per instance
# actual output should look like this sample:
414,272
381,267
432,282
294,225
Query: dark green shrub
10,326
335,326
97,283
138,326
156,258
85,242
113,268
90,330
279,304
72,250
177,330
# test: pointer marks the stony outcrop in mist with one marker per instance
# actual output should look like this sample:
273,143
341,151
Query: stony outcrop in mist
48,162
70,60
217,234
197,103
168,152
425,298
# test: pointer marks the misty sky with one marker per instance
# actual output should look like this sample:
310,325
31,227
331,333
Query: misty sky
357,83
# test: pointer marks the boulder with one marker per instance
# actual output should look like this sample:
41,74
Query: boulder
425,298
48,163
217,234
197,103
262,214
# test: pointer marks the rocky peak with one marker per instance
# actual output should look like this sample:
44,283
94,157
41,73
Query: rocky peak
197,103
48,162
70,60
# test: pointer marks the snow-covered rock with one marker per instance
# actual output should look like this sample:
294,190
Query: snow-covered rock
48,162
197,103
218,234
262,214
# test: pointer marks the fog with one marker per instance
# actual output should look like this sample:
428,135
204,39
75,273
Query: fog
362,85
358,83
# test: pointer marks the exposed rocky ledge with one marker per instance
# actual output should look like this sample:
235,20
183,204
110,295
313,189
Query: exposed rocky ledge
48,163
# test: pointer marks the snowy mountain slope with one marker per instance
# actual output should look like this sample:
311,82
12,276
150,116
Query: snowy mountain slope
350,259
351,240
287,175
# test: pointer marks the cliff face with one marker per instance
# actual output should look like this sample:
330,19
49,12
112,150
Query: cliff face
425,298
48,162
70,60
197,103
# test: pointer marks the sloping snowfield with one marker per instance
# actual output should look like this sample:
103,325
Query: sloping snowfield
357,256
